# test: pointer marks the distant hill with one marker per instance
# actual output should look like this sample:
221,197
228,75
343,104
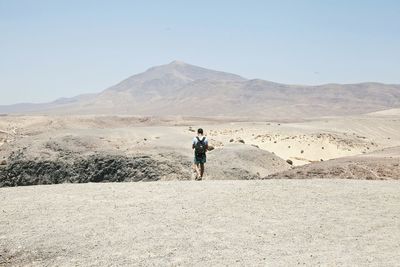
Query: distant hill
183,89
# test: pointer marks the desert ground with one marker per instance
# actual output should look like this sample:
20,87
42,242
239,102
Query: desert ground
318,222
280,218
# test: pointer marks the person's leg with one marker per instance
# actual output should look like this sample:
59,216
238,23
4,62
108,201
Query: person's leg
198,171
201,170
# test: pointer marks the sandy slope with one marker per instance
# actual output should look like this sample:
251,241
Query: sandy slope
232,223
311,141
379,165
386,112
70,140
320,138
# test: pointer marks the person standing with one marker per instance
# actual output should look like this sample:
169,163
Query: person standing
200,146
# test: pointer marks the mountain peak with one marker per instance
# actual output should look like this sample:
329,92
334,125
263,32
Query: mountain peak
187,72
177,62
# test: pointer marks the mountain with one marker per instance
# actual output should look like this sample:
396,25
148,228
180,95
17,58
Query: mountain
183,89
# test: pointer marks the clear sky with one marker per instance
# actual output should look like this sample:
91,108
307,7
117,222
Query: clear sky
55,48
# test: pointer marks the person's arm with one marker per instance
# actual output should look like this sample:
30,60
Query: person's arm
206,142
193,144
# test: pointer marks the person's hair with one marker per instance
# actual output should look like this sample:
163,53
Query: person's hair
200,131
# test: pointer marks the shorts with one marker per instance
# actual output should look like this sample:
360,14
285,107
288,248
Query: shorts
200,159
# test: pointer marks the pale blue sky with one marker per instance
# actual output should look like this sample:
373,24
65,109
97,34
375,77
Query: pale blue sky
54,48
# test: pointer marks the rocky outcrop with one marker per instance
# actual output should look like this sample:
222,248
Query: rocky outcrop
95,168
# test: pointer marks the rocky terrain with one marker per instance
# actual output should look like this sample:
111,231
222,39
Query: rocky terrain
51,150
80,149
96,168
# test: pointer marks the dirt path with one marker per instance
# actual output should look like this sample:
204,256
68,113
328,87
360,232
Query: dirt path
240,223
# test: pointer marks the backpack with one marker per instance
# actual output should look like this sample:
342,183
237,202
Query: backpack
200,147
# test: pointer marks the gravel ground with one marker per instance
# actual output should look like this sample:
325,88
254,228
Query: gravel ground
223,223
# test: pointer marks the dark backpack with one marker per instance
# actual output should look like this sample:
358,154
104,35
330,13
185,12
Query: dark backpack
200,147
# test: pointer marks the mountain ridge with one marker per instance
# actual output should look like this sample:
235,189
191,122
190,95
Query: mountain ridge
179,88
